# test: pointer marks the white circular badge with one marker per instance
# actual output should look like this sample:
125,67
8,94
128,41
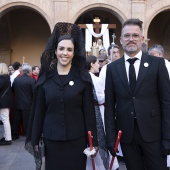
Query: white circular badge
146,64
71,83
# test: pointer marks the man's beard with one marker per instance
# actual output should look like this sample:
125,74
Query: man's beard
131,49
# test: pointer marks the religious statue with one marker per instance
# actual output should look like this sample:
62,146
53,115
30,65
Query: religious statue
95,49
100,44
113,36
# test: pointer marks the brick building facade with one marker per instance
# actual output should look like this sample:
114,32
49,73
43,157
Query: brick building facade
26,25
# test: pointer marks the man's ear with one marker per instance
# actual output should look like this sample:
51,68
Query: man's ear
91,65
120,41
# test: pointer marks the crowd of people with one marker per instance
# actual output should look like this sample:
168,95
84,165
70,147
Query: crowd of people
17,83
73,94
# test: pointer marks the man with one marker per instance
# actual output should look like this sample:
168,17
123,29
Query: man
10,69
140,109
35,72
23,88
102,60
17,71
113,52
158,51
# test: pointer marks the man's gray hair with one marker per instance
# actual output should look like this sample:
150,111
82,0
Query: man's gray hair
26,68
157,48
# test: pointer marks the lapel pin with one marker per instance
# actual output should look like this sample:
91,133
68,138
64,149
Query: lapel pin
71,83
146,64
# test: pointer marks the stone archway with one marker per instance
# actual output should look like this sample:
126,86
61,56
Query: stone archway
153,10
158,31
28,33
15,5
106,16
111,8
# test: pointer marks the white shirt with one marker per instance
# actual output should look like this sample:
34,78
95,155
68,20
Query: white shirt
136,64
102,78
167,64
13,76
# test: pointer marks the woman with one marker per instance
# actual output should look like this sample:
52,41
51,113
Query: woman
63,108
5,103
102,158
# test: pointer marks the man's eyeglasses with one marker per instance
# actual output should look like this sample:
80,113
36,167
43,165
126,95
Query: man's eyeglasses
101,61
134,36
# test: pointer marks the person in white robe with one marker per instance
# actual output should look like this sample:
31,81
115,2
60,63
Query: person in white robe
113,55
92,64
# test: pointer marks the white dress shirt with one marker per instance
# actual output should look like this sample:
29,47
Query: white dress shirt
136,64
167,64
102,78
13,76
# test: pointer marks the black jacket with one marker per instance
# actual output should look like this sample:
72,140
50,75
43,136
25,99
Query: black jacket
5,101
23,88
151,101
64,111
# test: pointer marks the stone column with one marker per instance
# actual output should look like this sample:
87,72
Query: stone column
138,8
145,45
5,56
61,11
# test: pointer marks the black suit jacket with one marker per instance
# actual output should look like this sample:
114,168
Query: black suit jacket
64,111
23,88
5,91
151,101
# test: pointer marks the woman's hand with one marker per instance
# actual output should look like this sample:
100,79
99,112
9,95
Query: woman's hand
91,153
96,149
36,151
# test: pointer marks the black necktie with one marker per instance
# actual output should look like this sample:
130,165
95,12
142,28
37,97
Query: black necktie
132,74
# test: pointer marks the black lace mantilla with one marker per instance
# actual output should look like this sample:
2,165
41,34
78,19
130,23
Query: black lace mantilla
49,63
36,154
49,59
101,135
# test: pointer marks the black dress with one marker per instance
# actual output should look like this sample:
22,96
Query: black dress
65,155
64,113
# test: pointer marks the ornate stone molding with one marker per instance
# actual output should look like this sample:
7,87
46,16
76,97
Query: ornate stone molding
40,10
121,11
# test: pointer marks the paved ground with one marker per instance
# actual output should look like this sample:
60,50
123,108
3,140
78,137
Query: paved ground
15,157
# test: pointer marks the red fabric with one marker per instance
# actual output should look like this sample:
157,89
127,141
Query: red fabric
34,76
103,104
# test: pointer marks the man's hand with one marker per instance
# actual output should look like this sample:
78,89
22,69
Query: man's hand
165,147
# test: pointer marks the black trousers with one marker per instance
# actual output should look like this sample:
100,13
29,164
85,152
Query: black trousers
141,155
65,155
19,115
